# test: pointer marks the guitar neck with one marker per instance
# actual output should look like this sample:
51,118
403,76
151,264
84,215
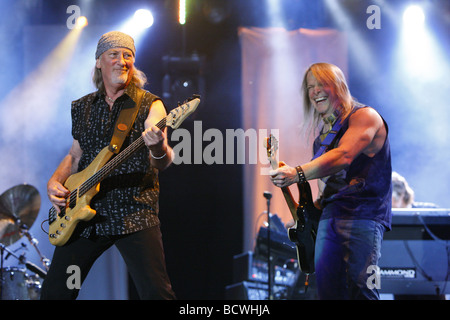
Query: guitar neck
292,204
115,162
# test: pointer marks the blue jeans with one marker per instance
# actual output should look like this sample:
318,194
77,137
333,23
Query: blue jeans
344,251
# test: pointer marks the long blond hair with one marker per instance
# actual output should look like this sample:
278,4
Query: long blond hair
330,76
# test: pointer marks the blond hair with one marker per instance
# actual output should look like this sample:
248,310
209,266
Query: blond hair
330,76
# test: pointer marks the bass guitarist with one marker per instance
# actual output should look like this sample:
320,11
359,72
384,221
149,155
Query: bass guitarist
126,204
354,173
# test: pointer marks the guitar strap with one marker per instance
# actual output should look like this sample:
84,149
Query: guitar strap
125,121
329,139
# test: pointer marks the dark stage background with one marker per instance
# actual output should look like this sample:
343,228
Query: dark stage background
201,205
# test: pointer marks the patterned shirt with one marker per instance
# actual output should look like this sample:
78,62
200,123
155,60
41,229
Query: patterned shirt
128,198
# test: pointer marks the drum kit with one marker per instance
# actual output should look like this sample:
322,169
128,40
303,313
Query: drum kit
19,207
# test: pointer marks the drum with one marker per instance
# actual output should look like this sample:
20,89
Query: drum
18,285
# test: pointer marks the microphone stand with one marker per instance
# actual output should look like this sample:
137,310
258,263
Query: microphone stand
268,196
34,242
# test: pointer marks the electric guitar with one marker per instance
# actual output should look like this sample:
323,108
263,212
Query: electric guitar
305,214
84,185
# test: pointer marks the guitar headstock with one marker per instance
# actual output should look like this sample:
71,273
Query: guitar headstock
271,145
179,114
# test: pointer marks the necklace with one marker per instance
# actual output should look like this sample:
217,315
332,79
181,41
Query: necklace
328,123
109,99
330,119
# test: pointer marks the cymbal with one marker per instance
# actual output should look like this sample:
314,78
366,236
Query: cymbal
19,207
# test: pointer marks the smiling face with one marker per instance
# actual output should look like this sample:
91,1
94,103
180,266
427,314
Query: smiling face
325,91
321,97
116,65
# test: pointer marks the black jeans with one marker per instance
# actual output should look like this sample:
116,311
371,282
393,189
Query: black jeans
142,252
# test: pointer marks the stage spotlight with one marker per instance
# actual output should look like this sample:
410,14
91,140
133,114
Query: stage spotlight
143,19
81,22
137,24
414,16
420,53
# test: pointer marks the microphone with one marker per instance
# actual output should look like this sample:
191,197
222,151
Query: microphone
267,195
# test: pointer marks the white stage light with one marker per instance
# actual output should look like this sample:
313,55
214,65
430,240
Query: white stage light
414,16
419,53
137,24
143,19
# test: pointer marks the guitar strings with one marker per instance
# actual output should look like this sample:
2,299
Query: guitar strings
122,156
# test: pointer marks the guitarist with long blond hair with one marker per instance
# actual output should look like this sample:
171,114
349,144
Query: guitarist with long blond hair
354,172
126,203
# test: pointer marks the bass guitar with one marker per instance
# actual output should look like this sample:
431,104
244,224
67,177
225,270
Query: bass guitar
305,214
84,185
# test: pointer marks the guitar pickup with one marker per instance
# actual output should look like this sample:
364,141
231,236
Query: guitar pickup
73,199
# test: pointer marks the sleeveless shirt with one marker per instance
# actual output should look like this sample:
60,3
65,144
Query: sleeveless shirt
364,189
128,197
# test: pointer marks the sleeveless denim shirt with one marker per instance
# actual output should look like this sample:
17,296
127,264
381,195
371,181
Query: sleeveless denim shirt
364,189
128,198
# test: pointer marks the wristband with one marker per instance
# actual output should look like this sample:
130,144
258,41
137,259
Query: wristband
301,175
157,158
